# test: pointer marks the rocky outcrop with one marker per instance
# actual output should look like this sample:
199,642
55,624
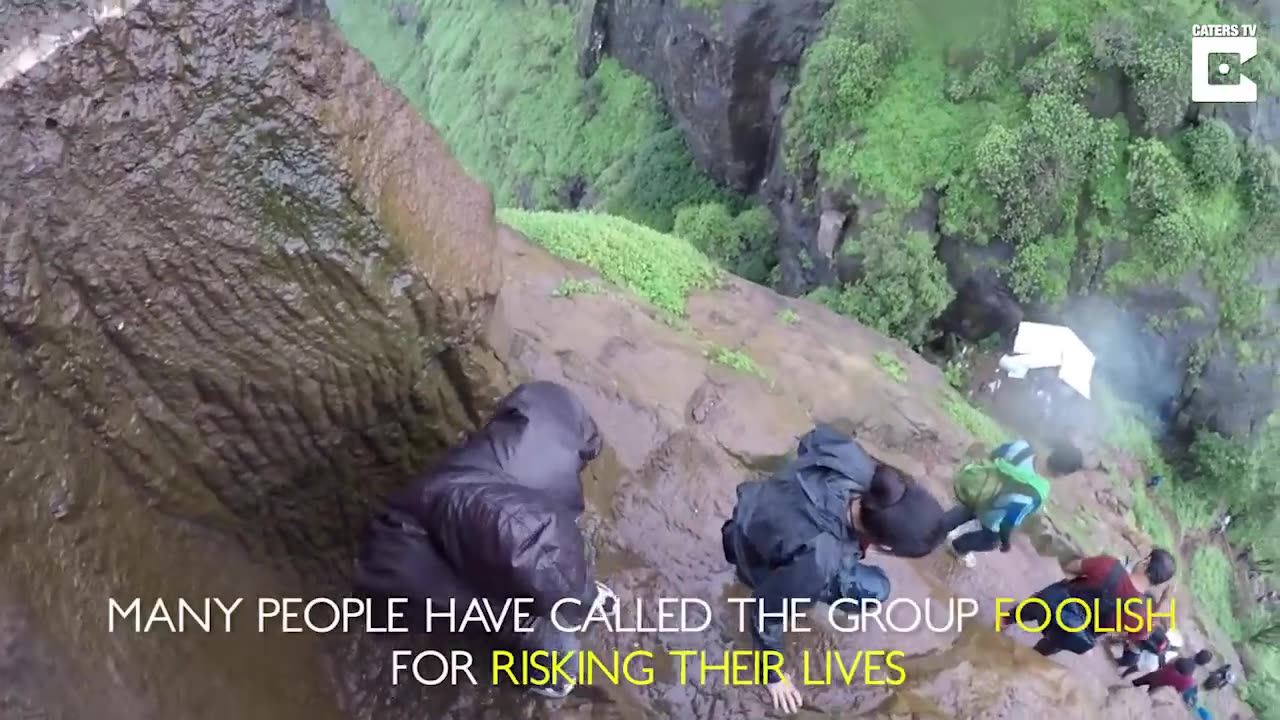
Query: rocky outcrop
241,284
724,74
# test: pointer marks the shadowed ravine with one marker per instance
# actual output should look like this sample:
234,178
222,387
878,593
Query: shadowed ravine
245,290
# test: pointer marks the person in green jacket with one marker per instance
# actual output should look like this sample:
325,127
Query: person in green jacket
1001,493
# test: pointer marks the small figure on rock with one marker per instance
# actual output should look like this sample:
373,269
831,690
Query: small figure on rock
1220,678
1180,675
1150,653
1100,581
1000,493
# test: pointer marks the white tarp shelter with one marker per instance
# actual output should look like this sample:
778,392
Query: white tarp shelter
1047,346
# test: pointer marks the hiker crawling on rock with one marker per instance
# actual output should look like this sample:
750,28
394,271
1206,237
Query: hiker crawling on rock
803,533
1001,493
497,519
1179,675
1220,678
1157,649
1100,580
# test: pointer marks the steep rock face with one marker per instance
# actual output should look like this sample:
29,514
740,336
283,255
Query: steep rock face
240,291
724,74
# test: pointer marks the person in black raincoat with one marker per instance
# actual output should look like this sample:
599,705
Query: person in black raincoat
804,532
497,519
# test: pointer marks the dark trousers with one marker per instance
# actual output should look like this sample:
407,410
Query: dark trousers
977,541
1047,646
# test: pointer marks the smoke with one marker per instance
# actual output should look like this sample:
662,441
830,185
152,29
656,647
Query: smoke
1133,361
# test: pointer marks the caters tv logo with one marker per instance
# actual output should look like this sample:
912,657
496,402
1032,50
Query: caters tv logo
1212,49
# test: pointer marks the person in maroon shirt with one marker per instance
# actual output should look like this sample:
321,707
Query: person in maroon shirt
1180,675
1091,575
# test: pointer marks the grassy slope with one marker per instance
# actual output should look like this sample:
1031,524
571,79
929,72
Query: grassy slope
500,81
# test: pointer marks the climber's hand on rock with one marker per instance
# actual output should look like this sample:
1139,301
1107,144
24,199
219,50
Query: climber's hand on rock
786,698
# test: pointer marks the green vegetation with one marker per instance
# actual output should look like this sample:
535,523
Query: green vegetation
977,423
904,287
1148,517
574,286
500,82
984,101
702,4
736,360
1212,581
891,365
743,244
788,317
957,373
1214,156
658,267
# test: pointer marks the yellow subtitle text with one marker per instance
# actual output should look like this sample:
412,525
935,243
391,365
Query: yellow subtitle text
690,667
1130,615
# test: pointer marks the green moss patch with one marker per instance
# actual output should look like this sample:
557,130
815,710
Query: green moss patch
658,267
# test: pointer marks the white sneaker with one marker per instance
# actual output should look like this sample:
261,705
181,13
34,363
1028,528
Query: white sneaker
554,692
967,559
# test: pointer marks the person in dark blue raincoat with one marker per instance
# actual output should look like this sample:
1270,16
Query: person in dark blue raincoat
804,532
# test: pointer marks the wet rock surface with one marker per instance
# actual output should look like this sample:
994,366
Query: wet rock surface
684,431
244,290
239,287
723,73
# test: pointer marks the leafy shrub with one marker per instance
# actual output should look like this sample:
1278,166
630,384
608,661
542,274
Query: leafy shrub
661,268
1038,170
735,360
1162,81
980,83
1151,52
1157,182
649,185
1262,178
743,245
1042,268
1059,70
1174,239
843,71
891,365
1214,155
903,288
1224,466
839,76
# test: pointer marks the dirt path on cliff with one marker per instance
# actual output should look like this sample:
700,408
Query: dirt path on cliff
684,431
